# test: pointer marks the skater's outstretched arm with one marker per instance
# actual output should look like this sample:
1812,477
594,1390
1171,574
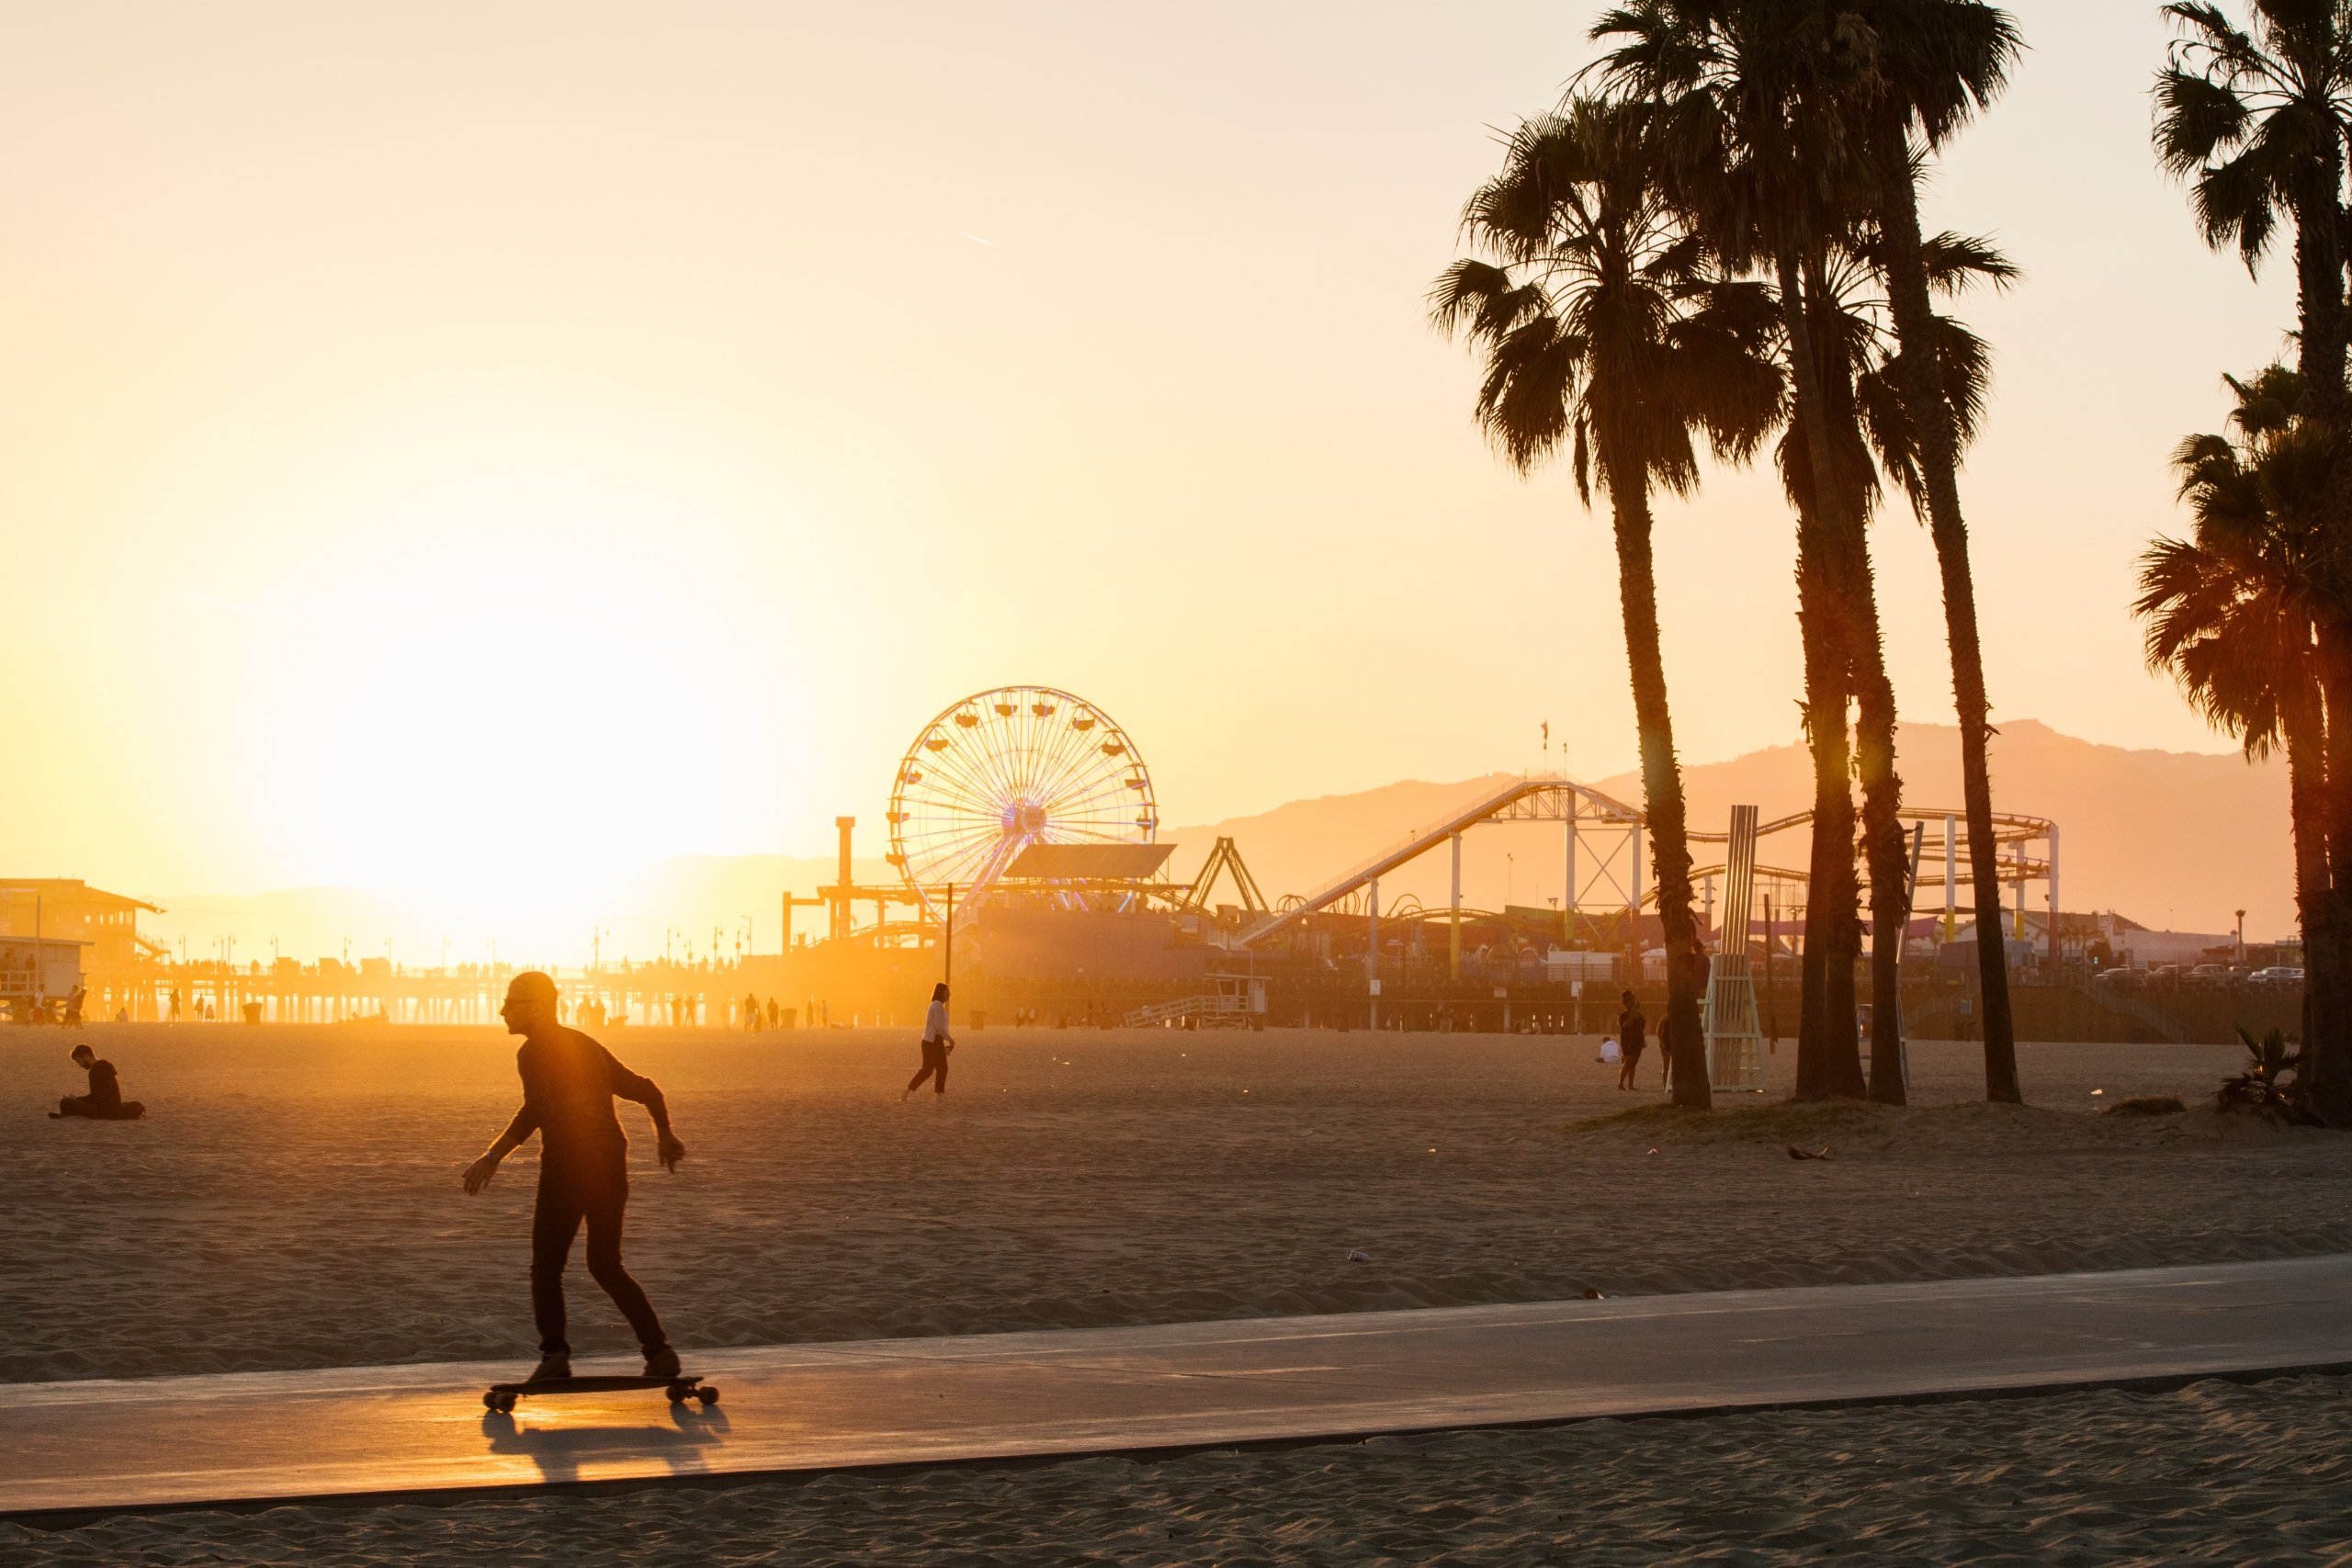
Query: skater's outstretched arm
646,1092
525,1123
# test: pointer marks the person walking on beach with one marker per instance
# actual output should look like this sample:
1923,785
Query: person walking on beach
568,1083
936,1044
1632,1038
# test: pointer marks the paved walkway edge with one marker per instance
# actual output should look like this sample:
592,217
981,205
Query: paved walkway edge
71,1451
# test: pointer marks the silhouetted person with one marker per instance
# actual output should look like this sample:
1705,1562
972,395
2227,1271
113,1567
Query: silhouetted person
568,1082
936,1044
1631,1039
73,1004
105,1101
175,1004
752,1012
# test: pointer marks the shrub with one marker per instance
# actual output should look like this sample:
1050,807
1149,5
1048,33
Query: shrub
2272,1086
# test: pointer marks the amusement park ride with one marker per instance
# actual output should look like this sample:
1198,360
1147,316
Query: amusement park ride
1025,796
1030,796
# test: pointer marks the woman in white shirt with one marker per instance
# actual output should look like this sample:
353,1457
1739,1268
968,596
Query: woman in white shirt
936,1044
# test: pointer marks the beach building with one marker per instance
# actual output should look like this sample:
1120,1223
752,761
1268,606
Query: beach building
36,974
102,928
72,910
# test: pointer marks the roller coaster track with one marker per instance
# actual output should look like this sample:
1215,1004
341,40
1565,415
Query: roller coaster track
1538,797
1555,797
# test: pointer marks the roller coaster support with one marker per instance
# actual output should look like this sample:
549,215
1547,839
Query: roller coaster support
2054,951
1568,883
1951,877
841,904
1454,959
1372,956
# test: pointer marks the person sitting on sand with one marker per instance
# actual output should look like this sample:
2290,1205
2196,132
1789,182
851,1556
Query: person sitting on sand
103,1102
936,1044
1632,1038
568,1082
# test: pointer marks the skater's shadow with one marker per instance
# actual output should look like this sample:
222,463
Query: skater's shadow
568,1453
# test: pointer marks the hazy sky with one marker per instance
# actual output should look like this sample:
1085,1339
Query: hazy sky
452,442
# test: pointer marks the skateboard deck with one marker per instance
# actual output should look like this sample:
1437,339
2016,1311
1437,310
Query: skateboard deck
500,1397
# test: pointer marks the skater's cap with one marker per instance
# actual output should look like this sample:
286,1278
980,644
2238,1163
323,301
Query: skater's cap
531,986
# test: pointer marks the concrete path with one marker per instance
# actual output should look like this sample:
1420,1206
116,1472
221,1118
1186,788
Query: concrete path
96,1446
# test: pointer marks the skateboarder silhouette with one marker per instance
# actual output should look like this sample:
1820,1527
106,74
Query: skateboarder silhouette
568,1084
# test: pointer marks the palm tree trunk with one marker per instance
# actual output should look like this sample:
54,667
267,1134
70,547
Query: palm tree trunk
1828,1053
1663,802
2308,782
2327,966
2325,323
1873,743
1882,843
1923,389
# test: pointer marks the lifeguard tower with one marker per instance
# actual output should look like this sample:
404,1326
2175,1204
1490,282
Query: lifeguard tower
1735,1040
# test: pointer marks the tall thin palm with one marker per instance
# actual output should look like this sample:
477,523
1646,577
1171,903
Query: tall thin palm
1604,329
2234,614
1864,391
2255,116
1742,99
1919,69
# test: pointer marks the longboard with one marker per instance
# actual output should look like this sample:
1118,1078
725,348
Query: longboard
500,1397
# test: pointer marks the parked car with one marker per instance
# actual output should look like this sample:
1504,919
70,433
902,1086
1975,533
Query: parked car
2122,977
2282,974
2210,977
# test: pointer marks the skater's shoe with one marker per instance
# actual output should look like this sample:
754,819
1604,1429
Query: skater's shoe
662,1363
553,1367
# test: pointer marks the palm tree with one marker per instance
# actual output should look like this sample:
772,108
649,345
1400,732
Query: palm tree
1742,99
1875,419
2233,615
1604,327
1924,67
2255,116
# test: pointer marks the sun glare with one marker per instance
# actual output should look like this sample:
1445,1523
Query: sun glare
508,676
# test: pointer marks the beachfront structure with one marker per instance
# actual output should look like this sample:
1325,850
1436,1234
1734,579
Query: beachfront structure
112,958
36,974
71,908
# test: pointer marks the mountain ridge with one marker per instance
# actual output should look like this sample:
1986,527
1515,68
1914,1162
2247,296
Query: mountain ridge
2173,840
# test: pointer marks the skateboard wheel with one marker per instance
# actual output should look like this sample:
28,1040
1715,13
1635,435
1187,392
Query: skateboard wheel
707,1395
677,1394
490,1402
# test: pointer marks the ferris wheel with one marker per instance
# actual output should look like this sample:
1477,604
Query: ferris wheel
1006,769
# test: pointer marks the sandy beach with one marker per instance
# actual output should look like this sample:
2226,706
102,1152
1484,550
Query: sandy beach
293,1202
